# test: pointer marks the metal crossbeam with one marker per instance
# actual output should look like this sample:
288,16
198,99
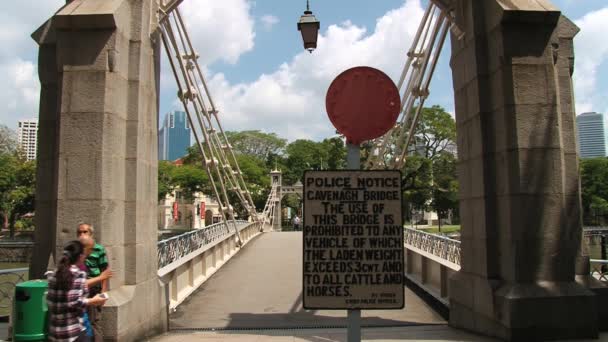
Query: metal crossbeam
270,207
166,7
219,160
390,150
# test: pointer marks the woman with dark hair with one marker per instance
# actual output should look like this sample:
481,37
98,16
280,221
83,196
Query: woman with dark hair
67,296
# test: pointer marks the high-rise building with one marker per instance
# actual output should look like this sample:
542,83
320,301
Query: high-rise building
27,138
592,135
174,136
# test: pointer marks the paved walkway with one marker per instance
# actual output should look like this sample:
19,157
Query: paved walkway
434,333
3,331
260,287
431,333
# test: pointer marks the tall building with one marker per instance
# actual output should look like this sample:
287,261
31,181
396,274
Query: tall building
592,135
173,136
27,138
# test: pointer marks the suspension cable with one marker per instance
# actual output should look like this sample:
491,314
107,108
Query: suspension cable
219,161
390,150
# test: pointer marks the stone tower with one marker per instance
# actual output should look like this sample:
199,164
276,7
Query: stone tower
99,72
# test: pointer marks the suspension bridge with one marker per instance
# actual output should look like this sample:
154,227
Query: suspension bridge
520,254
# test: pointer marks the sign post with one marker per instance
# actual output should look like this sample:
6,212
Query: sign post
353,230
353,316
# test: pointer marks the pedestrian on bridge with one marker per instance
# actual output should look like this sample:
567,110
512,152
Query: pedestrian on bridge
67,296
96,264
296,223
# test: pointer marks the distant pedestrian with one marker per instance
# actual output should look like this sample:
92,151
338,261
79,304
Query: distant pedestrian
96,263
296,223
67,296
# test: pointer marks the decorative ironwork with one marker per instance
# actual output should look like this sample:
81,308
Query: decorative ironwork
177,247
16,251
595,231
443,247
599,269
8,279
449,249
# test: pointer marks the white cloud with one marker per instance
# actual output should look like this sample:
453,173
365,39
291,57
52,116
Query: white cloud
291,100
268,21
19,91
220,30
591,53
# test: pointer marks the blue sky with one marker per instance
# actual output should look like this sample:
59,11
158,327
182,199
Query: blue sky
260,76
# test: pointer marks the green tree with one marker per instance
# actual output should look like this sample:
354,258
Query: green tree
445,186
253,167
256,143
336,153
165,179
17,189
416,183
305,155
8,140
594,188
190,179
256,176
435,132
302,155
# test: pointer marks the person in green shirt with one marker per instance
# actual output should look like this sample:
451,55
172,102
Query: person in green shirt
97,268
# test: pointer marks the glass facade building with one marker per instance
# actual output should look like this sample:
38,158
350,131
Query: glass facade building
592,135
173,136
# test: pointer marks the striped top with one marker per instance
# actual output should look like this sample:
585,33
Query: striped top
66,308
96,263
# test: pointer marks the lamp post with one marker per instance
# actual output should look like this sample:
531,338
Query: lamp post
309,27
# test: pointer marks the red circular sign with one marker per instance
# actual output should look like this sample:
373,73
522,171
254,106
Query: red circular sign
362,103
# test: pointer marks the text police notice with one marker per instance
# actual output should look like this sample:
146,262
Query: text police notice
353,240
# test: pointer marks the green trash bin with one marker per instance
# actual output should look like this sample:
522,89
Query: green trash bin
30,311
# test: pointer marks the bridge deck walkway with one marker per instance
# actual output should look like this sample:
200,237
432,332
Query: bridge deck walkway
260,287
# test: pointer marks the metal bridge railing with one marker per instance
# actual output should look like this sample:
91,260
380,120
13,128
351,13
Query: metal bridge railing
449,249
595,231
443,247
177,247
599,269
8,279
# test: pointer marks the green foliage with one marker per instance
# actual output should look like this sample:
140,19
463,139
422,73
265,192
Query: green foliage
17,188
594,188
256,177
255,143
190,179
435,132
336,153
309,155
429,175
165,178
445,186
8,140
416,183
302,155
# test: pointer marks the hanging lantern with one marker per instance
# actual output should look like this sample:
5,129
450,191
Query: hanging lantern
309,27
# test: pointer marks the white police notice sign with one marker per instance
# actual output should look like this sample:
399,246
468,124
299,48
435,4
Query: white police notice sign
353,240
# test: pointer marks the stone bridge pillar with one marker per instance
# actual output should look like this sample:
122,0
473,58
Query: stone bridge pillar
99,69
518,172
